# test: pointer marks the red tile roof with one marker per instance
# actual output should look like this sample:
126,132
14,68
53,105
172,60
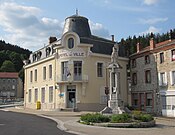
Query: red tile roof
8,75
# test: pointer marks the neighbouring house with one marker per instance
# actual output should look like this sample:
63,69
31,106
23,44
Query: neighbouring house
153,78
11,85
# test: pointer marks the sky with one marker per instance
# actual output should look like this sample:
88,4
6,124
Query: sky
29,23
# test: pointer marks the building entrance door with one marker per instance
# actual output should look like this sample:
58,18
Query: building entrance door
71,96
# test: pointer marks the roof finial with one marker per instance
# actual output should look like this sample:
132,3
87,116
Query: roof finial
76,12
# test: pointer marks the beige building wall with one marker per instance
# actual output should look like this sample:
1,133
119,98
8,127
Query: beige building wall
40,83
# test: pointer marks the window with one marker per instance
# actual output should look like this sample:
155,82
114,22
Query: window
42,95
36,95
50,71
133,63
134,78
70,43
30,96
99,69
162,79
35,75
44,73
172,77
147,59
31,76
77,70
173,55
65,71
148,76
50,94
161,57
135,99
149,99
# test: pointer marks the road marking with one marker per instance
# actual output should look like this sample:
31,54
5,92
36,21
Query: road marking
2,124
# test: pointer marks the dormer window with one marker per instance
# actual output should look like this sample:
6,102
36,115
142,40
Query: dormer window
70,43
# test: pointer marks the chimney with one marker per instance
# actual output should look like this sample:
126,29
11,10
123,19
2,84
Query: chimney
138,47
52,39
112,37
151,42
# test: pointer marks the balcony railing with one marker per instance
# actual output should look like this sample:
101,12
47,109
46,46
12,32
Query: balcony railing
73,78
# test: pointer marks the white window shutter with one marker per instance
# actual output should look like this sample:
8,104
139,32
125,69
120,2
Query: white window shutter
171,78
166,78
160,81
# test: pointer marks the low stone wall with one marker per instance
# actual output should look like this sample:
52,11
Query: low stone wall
128,125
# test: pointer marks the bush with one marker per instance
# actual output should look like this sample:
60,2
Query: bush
94,118
121,118
146,117
138,115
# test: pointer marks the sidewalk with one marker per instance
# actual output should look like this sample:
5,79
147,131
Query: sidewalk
67,121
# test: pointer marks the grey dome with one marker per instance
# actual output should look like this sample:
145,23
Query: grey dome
77,24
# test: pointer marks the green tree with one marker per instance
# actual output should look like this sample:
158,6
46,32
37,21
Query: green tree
16,59
7,66
21,74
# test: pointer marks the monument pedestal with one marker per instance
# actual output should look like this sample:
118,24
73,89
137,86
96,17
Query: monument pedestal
114,105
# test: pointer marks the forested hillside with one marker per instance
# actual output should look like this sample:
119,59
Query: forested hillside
131,42
11,57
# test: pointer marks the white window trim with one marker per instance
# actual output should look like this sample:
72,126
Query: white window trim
43,73
49,93
172,80
44,95
160,81
49,72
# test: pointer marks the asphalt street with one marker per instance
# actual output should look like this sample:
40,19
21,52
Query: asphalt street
12,123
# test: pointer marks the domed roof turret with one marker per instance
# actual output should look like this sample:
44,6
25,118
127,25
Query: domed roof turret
77,24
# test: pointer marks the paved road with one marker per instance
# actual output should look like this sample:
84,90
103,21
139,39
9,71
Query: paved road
24,124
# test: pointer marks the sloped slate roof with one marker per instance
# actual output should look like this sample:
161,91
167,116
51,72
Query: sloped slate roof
101,45
80,25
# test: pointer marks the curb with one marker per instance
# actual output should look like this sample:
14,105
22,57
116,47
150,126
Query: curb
60,125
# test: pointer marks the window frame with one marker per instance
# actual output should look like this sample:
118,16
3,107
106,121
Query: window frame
133,63
64,70
44,73
134,78
161,56
173,55
99,69
31,76
147,59
36,75
51,94
50,71
148,73
30,96
36,95
43,95
70,42
78,70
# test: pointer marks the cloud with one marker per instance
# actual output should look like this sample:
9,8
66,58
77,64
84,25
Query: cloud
99,30
151,29
150,2
153,20
25,28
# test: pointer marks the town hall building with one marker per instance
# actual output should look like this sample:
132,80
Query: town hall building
71,72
